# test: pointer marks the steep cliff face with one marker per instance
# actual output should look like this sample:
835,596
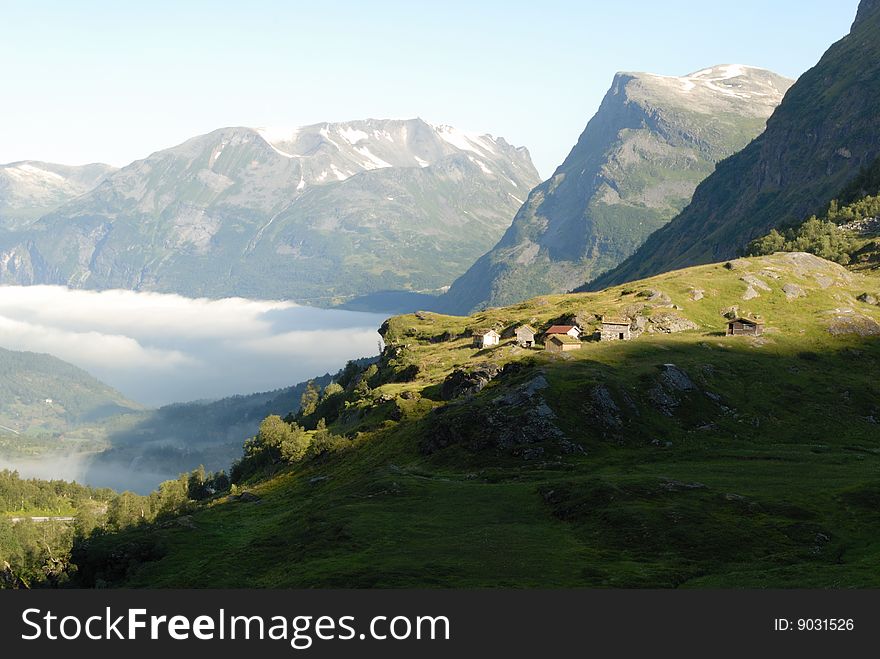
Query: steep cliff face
653,139
822,135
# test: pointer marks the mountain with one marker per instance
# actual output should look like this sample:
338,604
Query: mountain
40,394
319,214
29,189
653,139
818,140
681,458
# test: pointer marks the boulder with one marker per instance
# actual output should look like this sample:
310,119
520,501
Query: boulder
468,382
750,294
697,294
867,298
730,312
755,282
669,322
854,323
675,378
793,291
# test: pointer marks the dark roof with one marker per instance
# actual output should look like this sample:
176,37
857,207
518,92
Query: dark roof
563,338
561,329
750,321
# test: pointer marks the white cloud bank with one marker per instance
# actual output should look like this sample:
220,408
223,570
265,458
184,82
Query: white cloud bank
159,348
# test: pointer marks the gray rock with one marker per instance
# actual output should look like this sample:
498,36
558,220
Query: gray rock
756,282
468,382
855,324
672,376
793,291
669,323
824,281
697,294
750,294
730,312
867,298
605,411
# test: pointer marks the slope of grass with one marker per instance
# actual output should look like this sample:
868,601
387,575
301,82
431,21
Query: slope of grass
765,473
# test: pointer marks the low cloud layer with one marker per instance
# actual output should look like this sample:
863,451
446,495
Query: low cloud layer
159,348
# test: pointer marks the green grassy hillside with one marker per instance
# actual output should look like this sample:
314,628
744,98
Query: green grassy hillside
40,395
683,458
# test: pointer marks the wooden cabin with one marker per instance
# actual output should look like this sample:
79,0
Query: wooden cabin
525,336
571,330
562,343
745,327
486,338
615,329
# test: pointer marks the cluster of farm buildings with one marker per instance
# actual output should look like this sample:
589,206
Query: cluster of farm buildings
563,338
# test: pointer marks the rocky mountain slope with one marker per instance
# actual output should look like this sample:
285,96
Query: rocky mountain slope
653,139
317,214
29,189
682,458
822,135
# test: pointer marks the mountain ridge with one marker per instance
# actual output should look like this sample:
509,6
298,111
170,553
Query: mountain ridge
633,168
817,141
335,211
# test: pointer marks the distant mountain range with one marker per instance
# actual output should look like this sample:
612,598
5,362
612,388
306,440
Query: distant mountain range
825,132
653,139
319,214
30,189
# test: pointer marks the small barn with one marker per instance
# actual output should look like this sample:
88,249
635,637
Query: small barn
571,330
745,327
486,338
615,329
525,336
562,343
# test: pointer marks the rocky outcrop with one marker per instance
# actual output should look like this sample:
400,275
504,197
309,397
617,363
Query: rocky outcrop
518,422
467,382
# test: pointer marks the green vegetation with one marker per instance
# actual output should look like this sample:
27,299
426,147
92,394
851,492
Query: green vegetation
44,396
826,237
684,459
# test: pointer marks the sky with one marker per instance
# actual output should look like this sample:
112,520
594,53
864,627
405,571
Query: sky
110,81
158,348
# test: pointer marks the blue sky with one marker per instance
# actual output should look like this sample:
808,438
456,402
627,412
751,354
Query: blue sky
113,81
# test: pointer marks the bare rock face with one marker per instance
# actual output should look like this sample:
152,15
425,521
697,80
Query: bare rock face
669,322
793,291
750,294
468,382
853,324
755,282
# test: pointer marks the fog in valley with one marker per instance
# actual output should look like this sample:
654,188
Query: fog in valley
158,349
